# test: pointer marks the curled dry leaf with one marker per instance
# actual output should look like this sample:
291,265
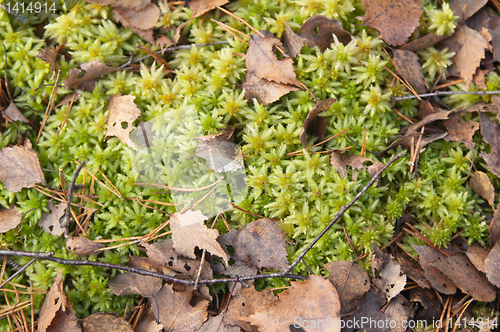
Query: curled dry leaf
264,91
239,268
423,42
13,113
9,218
492,265
314,300
200,7
319,31
122,113
189,231
93,70
408,66
50,221
481,184
438,280
143,19
19,167
262,244
262,61
314,122
460,130
394,19
292,41
82,246
491,135
350,280
98,322
126,4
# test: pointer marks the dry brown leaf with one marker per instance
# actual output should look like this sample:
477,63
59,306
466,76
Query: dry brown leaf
262,244
200,7
147,322
189,231
100,322
491,135
316,123
264,91
126,4
239,268
314,300
408,66
54,301
466,8
129,283
175,311
495,226
93,70
394,19
215,324
460,130
479,79
438,280
357,163
368,307
262,61
82,246
9,218
13,113
463,273
221,155
293,42
469,46
143,19
477,255
49,56
492,265
350,280
122,114
19,167
67,99
494,28
481,184
399,310
388,277
430,302
413,270
319,30
423,42
50,221
65,321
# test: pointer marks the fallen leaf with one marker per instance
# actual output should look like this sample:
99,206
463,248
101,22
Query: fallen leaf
264,91
438,280
189,231
147,322
314,122
122,114
394,19
19,167
262,61
388,277
129,283
65,321
481,184
239,268
431,305
350,280
49,56
262,244
492,265
468,46
423,42
50,221
214,324
174,311
491,135
357,163
466,8
460,130
100,322
477,255
314,300
9,218
494,28
408,66
463,273
221,155
143,19
13,113
126,4
319,30
293,42
67,99
495,226
82,246
368,308
413,270
93,70
479,79
398,312
200,7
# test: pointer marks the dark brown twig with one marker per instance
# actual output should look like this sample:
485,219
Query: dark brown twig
65,221
18,272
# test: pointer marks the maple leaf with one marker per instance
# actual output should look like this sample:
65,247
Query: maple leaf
50,221
319,30
394,19
408,66
19,167
264,91
93,69
317,123
9,218
122,111
189,231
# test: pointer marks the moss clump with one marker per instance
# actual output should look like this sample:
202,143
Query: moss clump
304,192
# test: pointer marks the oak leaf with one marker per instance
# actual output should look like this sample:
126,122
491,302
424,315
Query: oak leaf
481,184
19,167
407,65
314,122
9,218
50,221
264,91
200,7
93,70
319,30
394,19
122,113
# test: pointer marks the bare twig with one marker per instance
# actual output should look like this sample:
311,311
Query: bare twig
447,93
18,272
65,221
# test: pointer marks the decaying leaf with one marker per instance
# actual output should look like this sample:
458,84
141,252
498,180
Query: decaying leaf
357,163
350,280
9,218
93,70
469,47
319,31
50,221
398,311
408,66
492,265
413,270
491,135
175,311
99,322
262,61
19,167
216,324
466,8
129,283
239,268
126,4
495,226
221,155
481,184
367,307
122,114
477,255
314,122
460,130
147,322
82,246
49,56
394,19
264,91
262,244
143,19
439,281
314,299
293,42
431,305
189,231
13,113
200,7
389,278
423,42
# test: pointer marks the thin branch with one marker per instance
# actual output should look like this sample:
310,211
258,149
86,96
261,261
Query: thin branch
447,93
18,272
67,217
